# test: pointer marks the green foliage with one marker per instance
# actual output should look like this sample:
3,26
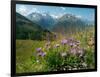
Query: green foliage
53,60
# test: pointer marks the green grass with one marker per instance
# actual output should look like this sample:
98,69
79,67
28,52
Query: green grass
26,55
24,51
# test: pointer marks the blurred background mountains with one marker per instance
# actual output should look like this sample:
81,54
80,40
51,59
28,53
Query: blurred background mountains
39,26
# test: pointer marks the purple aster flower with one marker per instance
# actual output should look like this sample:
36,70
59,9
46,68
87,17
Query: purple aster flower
71,44
64,41
77,51
70,39
39,49
41,54
73,51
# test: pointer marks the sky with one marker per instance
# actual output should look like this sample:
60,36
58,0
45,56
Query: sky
56,11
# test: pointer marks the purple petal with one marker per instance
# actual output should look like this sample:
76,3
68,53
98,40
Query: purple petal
64,41
41,54
38,49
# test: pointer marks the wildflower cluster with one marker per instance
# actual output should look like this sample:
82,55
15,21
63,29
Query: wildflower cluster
65,55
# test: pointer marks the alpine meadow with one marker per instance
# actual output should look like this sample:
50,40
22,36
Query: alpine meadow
54,38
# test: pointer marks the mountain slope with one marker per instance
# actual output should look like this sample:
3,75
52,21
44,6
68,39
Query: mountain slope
68,23
26,29
45,20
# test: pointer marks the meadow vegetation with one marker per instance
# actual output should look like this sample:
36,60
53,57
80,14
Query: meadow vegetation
71,51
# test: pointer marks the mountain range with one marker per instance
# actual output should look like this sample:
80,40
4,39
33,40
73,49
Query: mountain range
49,22
39,26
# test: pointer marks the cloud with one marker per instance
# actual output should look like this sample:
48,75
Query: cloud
32,10
22,10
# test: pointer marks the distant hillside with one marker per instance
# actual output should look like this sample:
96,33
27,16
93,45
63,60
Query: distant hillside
44,20
26,29
62,24
39,26
68,23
